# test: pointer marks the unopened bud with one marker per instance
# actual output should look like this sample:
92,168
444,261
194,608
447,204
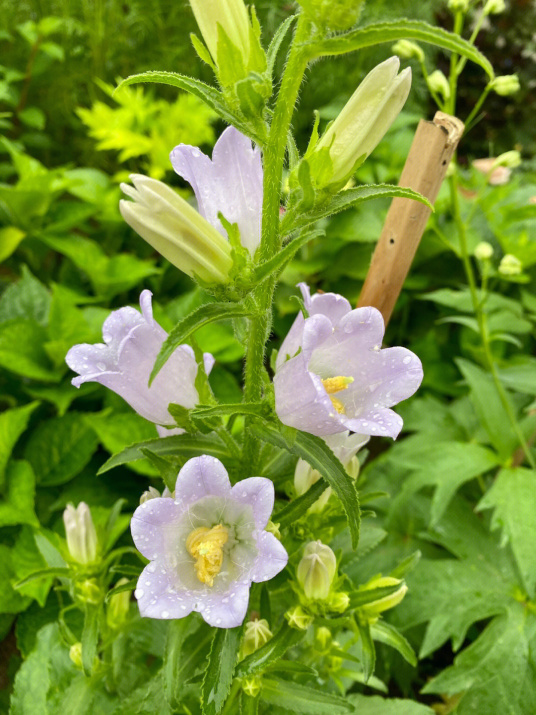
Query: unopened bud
458,5
316,570
366,117
298,618
118,607
408,50
75,654
304,478
339,602
151,493
373,610
494,7
80,533
252,686
506,85
483,251
273,529
510,159
257,633
510,265
88,591
438,83
323,639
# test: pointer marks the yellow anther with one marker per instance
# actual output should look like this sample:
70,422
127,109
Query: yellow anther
332,385
206,547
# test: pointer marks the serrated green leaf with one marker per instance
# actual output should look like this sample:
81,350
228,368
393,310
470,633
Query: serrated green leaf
176,445
513,500
489,408
220,668
271,652
350,199
275,43
298,507
376,705
22,352
172,660
204,315
302,699
27,559
315,451
12,425
416,30
60,448
27,298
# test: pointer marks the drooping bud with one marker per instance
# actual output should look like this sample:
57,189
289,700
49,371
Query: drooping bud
506,85
118,607
81,535
298,618
408,50
316,570
438,83
510,265
364,120
373,610
483,251
257,633
176,230
494,7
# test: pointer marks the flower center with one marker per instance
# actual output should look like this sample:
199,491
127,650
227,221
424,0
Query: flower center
206,547
332,385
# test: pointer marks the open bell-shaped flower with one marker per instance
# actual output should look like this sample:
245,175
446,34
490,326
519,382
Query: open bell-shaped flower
123,363
332,375
206,545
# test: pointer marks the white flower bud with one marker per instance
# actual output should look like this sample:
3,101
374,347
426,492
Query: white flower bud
510,265
81,535
408,50
304,478
366,117
494,7
483,251
373,610
231,15
438,83
257,633
316,570
506,85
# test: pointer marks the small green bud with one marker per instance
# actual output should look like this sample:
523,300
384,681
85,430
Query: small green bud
257,633
80,533
510,159
458,5
252,686
373,610
118,607
75,654
298,618
316,570
339,602
506,85
438,83
494,7
408,50
88,591
483,251
323,639
273,529
510,265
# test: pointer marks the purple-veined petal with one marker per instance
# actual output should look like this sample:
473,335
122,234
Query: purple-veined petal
271,559
230,184
152,526
258,492
345,445
157,597
200,477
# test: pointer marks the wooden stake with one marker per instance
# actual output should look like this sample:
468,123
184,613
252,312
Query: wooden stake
427,163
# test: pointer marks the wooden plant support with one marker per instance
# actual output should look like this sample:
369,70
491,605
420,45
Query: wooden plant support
427,163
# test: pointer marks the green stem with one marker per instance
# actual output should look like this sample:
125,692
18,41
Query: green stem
274,157
476,108
481,319
453,75
235,688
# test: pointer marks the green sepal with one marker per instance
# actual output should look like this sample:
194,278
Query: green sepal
417,30
276,264
276,42
202,51
386,633
406,566
230,60
257,61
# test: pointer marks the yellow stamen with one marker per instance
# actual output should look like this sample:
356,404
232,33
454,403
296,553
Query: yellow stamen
332,385
206,546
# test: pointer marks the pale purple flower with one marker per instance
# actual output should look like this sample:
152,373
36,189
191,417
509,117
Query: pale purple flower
230,183
123,363
332,375
206,545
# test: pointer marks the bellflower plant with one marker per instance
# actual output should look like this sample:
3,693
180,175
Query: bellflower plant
332,375
206,545
123,363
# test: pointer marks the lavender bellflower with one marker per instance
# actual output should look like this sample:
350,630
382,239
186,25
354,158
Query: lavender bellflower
124,362
206,545
332,375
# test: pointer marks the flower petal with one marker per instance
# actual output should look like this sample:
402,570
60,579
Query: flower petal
231,183
156,596
271,559
332,305
200,477
225,610
153,525
258,492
